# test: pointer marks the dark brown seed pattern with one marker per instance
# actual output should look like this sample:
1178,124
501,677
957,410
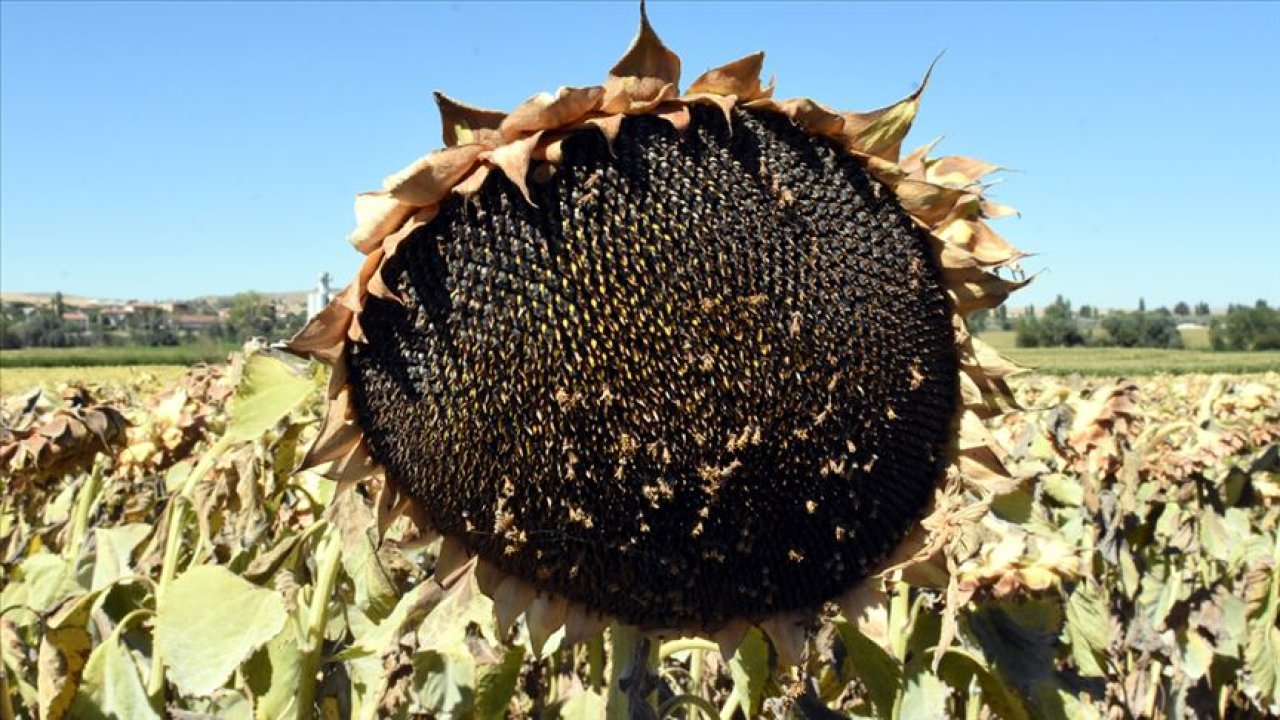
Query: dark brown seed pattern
710,375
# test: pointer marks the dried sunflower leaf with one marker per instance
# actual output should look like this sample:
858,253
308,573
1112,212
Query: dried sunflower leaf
64,649
270,388
112,685
870,663
749,668
1088,630
924,695
496,684
202,642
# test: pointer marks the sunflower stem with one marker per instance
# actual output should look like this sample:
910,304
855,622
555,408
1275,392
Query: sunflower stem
172,548
84,504
318,619
595,662
633,681
695,682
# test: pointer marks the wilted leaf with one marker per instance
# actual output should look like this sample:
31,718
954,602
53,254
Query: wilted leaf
261,568
871,664
586,705
445,681
112,686
376,594
958,666
923,695
1063,489
1262,651
1088,631
64,649
209,621
445,626
270,388
42,581
115,548
496,683
273,674
1020,641
1197,654
749,668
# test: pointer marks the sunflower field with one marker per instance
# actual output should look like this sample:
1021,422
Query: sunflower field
641,404
161,557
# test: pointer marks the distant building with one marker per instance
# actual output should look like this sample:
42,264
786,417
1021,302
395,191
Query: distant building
194,321
77,318
319,298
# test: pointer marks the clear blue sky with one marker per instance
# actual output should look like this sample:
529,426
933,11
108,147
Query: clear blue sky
168,150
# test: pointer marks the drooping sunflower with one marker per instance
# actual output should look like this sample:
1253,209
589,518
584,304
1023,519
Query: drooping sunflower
689,362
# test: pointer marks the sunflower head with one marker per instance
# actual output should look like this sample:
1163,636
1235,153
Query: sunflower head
687,360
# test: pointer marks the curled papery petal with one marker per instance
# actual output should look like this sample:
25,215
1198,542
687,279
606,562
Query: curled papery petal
354,296
545,111
453,555
814,117
880,132
378,214
648,71
726,103
388,507
419,218
984,472
973,289
511,598
913,164
513,160
929,203
993,363
462,123
984,388
545,615
323,337
338,433
357,465
472,183
581,624
985,245
740,78
996,210
675,113
787,633
866,607
430,178
379,289
608,125
957,171
488,577
730,637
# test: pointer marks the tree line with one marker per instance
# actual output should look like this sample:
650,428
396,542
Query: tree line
1242,327
246,315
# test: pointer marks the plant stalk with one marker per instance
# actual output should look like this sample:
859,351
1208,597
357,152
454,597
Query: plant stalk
173,548
595,662
80,523
318,619
695,682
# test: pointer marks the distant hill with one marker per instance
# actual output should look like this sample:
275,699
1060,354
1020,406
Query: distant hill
290,299
36,298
